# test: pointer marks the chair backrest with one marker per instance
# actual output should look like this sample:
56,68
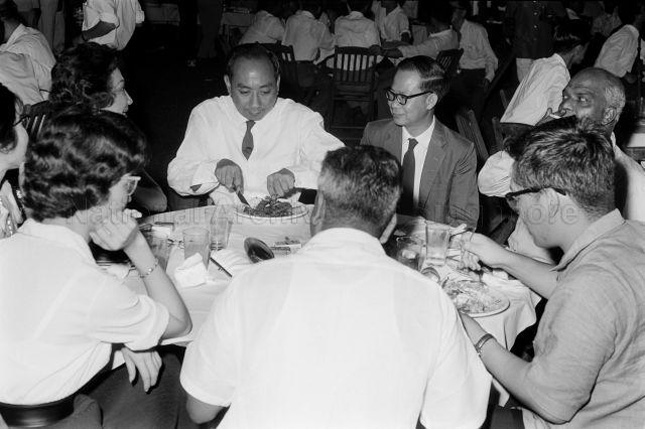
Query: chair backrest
288,67
36,115
354,66
505,95
449,60
497,133
468,127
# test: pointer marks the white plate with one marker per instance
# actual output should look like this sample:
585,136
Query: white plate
475,298
299,210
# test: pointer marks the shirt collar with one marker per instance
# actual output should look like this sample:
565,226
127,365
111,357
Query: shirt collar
355,14
395,11
598,228
559,59
62,236
19,31
307,14
424,138
238,118
348,237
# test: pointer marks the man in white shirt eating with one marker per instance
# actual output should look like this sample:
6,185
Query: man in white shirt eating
251,140
339,335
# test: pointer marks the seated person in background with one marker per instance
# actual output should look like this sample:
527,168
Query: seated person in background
619,50
590,344
605,23
477,64
314,340
440,36
267,27
541,89
25,40
87,75
355,29
392,23
250,141
13,145
439,166
17,74
64,314
110,22
310,38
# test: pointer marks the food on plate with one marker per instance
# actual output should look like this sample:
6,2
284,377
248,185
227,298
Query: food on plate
472,297
270,208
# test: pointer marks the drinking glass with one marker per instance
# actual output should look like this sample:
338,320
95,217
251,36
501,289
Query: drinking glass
197,241
408,251
437,238
158,243
220,229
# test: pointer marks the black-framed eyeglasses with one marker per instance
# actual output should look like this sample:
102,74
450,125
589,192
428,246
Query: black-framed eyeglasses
22,119
511,197
402,99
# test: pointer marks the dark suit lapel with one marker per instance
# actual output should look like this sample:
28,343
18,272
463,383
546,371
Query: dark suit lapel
432,164
393,141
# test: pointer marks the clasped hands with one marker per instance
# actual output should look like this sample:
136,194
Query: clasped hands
229,174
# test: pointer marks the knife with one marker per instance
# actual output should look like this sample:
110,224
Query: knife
226,272
242,199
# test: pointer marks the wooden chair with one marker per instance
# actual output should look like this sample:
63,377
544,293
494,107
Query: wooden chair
497,133
505,95
449,60
469,128
354,80
290,83
36,115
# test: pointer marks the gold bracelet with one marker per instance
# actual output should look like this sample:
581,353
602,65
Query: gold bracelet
150,270
482,341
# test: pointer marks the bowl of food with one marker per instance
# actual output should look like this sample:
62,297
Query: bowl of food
475,298
271,209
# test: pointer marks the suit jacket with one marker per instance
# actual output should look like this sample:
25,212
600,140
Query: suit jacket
448,190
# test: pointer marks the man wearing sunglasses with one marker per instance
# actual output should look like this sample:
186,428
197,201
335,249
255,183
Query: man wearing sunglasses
590,343
439,180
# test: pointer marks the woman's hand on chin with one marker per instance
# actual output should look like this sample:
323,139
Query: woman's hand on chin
119,231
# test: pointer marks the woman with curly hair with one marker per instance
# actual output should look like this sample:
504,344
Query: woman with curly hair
63,315
88,76
13,144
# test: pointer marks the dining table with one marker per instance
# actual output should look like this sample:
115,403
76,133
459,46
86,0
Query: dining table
504,326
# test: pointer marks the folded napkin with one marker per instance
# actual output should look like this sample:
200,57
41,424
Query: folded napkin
192,272
233,261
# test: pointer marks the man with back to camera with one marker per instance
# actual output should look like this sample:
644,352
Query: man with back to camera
251,140
338,335
439,166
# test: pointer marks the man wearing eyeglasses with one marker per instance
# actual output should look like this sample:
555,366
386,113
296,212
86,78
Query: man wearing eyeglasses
590,344
439,179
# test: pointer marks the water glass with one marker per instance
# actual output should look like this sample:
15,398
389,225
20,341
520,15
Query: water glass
220,229
197,241
437,238
159,246
408,252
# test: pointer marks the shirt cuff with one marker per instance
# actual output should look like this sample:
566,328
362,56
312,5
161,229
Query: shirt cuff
205,177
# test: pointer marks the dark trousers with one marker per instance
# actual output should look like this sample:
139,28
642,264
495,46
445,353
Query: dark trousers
501,417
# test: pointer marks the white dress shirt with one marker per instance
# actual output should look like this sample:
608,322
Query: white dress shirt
619,51
310,38
393,25
289,136
265,28
338,335
356,30
31,42
125,14
420,151
435,43
61,313
17,74
477,51
539,90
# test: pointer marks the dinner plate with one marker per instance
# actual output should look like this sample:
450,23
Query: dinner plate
475,298
298,211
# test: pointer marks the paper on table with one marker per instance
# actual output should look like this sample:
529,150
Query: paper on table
192,272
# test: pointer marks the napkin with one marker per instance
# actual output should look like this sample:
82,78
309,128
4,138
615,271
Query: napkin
233,261
192,272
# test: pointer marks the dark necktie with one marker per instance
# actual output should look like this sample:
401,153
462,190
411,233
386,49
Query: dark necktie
407,198
247,142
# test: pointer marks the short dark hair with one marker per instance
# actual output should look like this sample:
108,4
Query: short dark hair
7,120
81,77
569,34
433,76
629,10
360,185
576,157
9,12
441,11
252,51
359,5
76,159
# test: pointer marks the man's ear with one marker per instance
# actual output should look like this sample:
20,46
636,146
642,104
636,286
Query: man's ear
317,214
609,115
431,101
227,82
388,230
277,84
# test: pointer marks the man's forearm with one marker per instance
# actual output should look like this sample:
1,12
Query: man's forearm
534,274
